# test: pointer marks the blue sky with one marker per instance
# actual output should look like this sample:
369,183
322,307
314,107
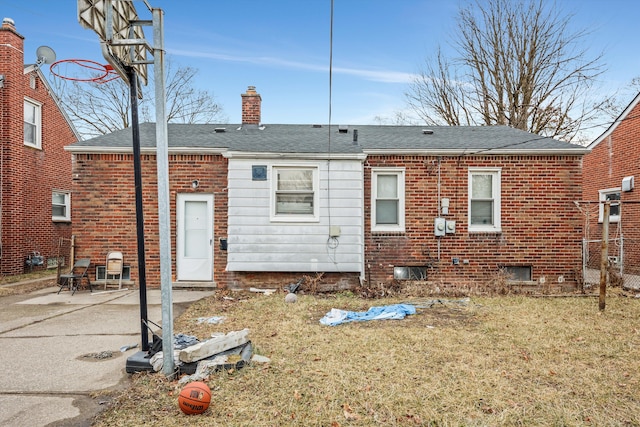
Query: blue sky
282,47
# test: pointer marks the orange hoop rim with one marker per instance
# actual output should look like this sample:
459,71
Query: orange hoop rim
106,71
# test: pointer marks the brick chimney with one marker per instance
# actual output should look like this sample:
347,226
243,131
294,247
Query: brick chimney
251,106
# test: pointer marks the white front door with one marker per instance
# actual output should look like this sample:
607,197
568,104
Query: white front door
194,218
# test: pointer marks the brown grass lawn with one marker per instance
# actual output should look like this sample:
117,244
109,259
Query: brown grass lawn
510,360
25,283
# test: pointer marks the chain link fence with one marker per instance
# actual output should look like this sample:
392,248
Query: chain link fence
623,256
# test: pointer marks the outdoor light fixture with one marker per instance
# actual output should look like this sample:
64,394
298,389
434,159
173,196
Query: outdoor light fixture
195,184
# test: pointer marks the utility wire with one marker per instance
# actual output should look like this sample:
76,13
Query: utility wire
537,138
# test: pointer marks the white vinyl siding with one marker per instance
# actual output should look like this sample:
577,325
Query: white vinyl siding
257,242
387,200
484,200
32,123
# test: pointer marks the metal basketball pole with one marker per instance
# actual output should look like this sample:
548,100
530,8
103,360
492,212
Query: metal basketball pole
164,224
137,174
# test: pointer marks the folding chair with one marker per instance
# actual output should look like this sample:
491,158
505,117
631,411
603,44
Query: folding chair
74,278
114,266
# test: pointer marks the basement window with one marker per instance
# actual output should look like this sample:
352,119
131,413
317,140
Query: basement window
410,273
518,273
100,270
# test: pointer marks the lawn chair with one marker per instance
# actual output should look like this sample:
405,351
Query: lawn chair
114,266
73,279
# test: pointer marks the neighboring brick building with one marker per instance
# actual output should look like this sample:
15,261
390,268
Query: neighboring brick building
263,205
609,171
35,169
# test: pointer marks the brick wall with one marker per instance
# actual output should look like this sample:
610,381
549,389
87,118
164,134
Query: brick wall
104,212
615,157
104,216
29,175
541,227
251,106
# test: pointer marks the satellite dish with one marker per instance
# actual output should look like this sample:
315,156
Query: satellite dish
45,55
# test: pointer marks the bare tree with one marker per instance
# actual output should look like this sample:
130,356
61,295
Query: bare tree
98,109
614,107
516,64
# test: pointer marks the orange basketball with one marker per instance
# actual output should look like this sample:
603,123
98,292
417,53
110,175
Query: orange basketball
194,398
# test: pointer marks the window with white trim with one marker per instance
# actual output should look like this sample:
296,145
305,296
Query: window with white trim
295,193
387,199
611,195
32,123
484,200
60,205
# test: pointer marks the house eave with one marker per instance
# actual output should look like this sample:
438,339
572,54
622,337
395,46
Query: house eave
615,123
144,150
58,103
480,152
312,156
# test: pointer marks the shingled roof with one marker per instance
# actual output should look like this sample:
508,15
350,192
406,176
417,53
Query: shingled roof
322,139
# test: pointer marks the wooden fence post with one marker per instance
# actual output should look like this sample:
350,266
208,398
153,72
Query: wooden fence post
604,256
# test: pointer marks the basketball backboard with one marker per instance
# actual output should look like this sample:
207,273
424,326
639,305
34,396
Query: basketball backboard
117,24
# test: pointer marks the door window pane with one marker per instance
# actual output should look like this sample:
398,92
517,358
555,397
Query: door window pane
196,242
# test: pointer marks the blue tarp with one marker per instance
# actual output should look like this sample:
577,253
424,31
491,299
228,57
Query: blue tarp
395,311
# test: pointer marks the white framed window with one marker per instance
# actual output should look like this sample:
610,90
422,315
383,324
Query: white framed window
32,123
484,200
60,205
387,199
294,193
609,195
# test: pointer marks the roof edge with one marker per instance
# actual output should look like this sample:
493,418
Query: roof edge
483,152
111,150
59,106
616,122
315,156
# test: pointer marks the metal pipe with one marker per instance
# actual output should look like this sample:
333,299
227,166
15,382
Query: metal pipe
162,161
137,173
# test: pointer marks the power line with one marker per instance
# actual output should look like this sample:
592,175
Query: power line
537,138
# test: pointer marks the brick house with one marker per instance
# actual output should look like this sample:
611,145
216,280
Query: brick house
609,171
263,205
35,169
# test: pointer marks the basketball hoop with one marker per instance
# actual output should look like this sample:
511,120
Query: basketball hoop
102,73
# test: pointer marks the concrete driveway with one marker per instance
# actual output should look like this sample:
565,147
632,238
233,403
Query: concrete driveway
53,348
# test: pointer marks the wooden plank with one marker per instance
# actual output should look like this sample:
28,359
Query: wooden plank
216,345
